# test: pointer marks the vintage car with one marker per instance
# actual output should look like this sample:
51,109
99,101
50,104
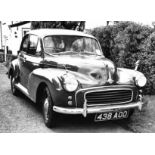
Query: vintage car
66,72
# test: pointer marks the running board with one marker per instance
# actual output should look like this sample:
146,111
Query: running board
22,89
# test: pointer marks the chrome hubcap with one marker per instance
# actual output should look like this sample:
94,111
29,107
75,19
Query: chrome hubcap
46,108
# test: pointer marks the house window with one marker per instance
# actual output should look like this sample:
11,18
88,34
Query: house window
25,31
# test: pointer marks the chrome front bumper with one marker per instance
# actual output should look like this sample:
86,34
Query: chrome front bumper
99,109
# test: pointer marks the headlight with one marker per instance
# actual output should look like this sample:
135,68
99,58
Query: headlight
70,84
141,80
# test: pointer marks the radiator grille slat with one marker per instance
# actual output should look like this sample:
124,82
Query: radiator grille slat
100,99
109,97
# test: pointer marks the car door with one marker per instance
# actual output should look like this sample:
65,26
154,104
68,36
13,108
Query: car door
30,57
21,57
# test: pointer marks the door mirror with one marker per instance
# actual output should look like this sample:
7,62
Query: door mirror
137,64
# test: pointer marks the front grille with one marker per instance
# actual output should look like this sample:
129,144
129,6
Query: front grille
109,97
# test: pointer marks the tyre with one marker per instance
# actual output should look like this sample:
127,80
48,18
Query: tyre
47,108
13,88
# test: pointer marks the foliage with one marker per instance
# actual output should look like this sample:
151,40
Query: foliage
127,42
148,60
73,25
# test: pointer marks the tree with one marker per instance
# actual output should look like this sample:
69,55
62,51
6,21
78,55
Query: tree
147,57
73,25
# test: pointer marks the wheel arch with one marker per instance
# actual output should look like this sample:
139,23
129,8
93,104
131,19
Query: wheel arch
40,78
39,91
40,88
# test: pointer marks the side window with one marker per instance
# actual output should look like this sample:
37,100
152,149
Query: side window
48,42
25,43
33,44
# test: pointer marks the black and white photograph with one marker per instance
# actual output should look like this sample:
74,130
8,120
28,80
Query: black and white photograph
72,76
77,77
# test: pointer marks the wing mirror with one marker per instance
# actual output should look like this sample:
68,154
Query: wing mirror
137,64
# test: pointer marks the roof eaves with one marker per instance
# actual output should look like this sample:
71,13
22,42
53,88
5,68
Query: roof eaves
19,24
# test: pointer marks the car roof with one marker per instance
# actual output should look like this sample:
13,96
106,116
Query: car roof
47,32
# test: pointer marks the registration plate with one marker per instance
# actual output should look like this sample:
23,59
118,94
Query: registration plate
111,115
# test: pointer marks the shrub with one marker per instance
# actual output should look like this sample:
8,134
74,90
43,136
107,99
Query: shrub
125,43
148,68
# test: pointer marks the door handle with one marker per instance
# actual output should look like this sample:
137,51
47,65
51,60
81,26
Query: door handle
24,59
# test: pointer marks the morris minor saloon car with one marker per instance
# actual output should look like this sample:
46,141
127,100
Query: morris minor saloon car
66,72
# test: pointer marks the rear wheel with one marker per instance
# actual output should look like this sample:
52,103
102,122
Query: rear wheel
13,88
47,107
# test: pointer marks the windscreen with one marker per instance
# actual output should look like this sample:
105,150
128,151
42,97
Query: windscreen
76,44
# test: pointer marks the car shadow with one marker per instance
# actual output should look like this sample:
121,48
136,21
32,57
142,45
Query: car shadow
74,123
79,124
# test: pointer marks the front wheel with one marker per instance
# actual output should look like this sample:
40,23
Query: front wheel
47,107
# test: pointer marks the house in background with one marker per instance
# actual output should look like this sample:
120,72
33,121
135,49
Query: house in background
17,31
0,35
11,34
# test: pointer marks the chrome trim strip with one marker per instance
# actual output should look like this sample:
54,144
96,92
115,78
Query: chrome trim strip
22,89
98,109
111,86
85,109
109,90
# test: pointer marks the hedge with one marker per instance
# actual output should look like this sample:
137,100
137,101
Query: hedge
127,42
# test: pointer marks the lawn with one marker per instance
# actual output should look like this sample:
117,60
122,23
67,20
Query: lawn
144,121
